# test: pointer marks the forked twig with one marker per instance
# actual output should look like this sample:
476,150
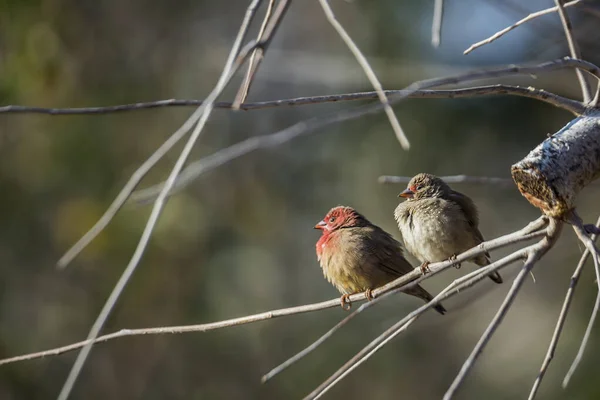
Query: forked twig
364,64
561,321
517,24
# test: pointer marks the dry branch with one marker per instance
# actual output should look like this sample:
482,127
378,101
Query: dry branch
531,231
195,169
573,106
457,286
552,174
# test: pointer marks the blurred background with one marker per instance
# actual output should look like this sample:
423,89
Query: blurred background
239,240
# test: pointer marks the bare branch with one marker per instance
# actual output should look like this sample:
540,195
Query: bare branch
364,64
591,247
574,50
456,287
529,232
436,25
533,255
518,23
573,106
266,37
195,169
199,118
561,321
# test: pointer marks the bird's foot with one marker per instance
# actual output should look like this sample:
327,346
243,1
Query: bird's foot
345,302
453,258
425,267
369,294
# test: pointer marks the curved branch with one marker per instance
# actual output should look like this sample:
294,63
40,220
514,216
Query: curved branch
573,106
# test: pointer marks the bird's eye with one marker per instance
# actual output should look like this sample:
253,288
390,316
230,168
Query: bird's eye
419,187
332,219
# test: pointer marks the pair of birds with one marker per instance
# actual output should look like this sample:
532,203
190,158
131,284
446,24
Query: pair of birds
436,223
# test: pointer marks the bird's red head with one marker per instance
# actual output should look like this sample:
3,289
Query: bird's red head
340,217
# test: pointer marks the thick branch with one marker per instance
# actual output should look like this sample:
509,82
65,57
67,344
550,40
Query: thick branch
551,175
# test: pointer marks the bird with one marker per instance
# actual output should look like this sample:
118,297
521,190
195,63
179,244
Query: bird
438,223
357,256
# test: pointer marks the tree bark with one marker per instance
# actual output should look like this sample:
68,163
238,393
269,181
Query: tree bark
552,175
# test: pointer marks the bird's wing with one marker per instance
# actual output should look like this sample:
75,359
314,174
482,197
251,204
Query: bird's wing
467,206
387,253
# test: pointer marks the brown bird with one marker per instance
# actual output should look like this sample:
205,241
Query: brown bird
438,223
357,256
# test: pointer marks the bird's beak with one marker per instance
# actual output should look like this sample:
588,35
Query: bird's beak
321,225
407,194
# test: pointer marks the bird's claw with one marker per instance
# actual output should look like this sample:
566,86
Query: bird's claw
425,267
453,258
369,294
345,302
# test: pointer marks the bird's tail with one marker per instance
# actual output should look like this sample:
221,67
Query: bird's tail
421,293
484,260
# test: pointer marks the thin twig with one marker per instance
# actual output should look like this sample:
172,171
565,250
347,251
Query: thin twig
535,253
199,117
591,247
574,50
529,232
197,168
364,64
270,25
436,25
561,321
518,23
526,233
573,106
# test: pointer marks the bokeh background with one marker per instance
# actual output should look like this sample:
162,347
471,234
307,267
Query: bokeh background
239,240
